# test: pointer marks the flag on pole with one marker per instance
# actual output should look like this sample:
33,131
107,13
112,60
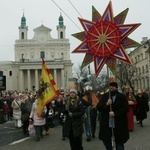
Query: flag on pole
48,89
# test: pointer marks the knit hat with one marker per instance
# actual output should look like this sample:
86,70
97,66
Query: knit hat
73,90
114,84
139,91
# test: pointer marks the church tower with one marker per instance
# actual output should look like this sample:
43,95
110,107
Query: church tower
23,29
61,28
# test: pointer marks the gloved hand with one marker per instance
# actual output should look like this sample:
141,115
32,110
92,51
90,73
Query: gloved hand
70,114
111,114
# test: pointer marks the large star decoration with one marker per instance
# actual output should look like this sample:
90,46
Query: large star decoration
104,39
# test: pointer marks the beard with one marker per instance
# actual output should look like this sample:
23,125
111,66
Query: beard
114,92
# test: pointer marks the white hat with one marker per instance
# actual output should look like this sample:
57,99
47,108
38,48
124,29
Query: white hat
73,90
88,88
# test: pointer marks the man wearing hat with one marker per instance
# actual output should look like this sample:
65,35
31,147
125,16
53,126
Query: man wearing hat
90,101
114,124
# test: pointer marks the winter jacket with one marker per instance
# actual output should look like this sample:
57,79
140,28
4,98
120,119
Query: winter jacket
37,121
16,109
6,109
74,123
142,107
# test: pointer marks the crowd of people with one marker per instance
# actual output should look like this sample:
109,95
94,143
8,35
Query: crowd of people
79,114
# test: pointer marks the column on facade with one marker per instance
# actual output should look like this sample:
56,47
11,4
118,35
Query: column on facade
55,76
28,79
36,80
62,78
21,80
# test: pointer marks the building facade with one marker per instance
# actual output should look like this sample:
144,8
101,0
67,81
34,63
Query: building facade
24,73
140,58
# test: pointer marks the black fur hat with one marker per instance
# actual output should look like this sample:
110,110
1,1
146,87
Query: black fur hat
114,84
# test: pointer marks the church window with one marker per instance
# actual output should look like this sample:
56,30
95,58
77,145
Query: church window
42,55
22,59
22,35
10,73
62,55
61,35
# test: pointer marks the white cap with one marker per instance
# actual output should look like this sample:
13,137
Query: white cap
88,88
73,90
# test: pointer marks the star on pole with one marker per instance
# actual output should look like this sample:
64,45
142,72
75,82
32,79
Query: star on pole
105,39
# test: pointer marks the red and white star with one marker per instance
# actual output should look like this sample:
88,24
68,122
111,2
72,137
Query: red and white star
104,39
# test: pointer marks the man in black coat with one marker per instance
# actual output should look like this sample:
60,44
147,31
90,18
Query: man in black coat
113,126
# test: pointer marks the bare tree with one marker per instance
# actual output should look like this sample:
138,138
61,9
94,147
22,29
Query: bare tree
125,73
83,75
79,72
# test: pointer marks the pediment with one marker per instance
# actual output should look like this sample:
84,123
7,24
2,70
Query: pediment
42,33
42,28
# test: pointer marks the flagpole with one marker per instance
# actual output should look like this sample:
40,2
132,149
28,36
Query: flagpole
112,130
48,90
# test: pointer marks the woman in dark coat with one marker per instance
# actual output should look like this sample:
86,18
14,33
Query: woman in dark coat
73,125
25,112
142,108
113,107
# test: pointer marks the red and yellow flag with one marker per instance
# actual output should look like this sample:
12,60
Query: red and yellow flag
48,89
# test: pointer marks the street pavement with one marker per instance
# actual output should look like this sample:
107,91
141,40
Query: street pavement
12,138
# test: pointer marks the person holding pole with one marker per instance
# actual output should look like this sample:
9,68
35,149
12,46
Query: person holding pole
114,124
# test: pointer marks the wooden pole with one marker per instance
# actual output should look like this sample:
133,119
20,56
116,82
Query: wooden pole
113,137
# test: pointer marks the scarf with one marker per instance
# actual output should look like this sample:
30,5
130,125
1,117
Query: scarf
94,99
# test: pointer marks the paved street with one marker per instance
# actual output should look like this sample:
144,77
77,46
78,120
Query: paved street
9,136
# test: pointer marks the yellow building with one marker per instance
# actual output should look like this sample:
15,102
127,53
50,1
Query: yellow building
140,58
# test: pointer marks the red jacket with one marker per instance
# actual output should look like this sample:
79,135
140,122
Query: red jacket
6,109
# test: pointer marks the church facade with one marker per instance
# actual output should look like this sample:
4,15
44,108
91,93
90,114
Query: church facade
24,73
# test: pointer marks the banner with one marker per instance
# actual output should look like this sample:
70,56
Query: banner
48,89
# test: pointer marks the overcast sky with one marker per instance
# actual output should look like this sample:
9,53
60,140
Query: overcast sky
46,12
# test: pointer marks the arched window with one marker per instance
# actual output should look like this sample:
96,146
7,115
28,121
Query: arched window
10,73
62,55
42,54
22,35
61,35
